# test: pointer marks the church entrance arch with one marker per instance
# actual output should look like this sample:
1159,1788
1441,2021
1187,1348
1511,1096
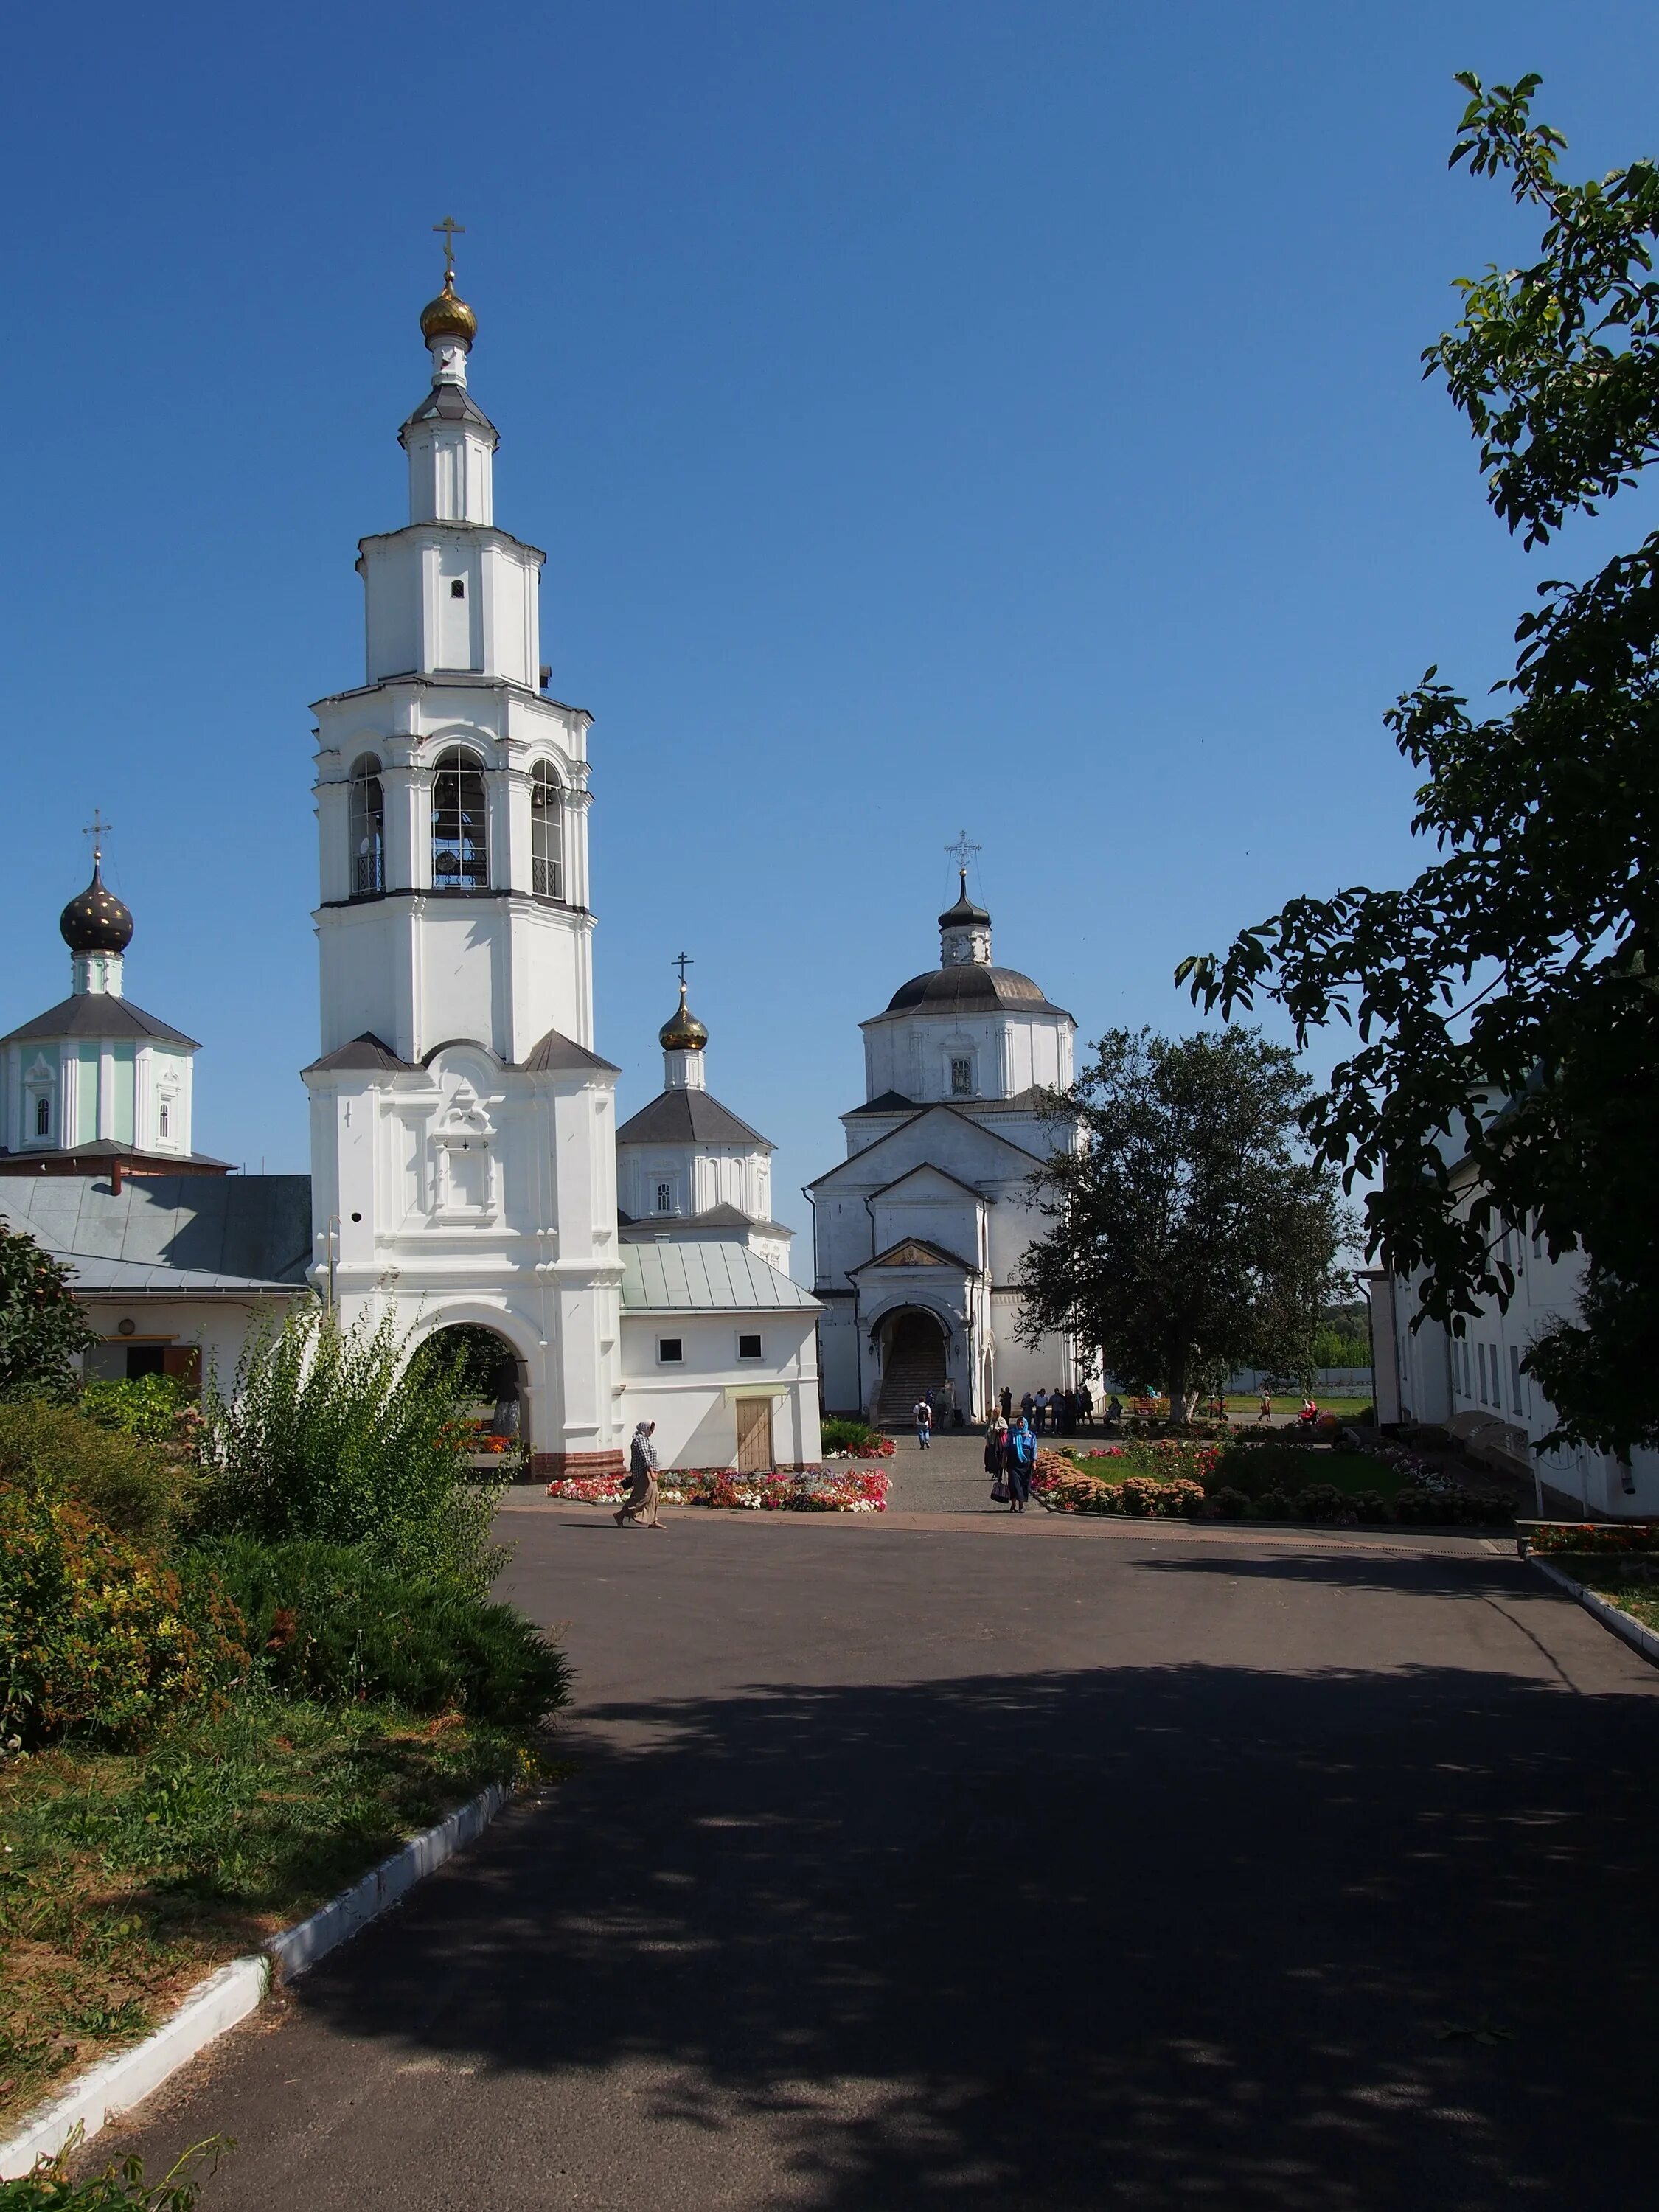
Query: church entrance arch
494,1385
914,1351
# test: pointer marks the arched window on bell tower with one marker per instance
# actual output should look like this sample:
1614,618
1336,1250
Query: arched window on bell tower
460,828
367,829
546,832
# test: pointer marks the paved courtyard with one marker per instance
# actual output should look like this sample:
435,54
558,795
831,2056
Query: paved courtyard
961,1861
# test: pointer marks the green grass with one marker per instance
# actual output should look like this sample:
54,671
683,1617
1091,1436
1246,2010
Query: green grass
1347,1471
1633,1592
1246,1409
125,1877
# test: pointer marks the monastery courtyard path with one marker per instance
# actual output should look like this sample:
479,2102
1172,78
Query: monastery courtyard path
958,1861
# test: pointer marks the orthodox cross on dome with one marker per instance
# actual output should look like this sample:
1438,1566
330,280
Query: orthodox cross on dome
682,961
452,230
97,830
963,849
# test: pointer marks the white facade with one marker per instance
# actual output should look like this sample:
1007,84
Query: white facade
462,1163
718,1343
1474,1385
919,1234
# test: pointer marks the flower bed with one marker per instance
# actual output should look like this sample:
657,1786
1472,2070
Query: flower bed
1178,1480
1591,1537
1063,1487
817,1490
874,1447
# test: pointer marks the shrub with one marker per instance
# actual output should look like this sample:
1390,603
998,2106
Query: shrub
118,2188
1323,1501
43,1327
97,1633
844,1434
1229,1504
147,1406
330,1623
1369,1505
1451,1509
1274,1505
135,1488
332,1436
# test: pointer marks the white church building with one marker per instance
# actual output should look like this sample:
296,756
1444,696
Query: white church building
463,1150
918,1234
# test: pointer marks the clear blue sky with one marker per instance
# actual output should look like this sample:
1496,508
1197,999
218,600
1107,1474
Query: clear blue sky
938,414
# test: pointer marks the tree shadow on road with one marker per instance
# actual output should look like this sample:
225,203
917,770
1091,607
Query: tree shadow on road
1156,1937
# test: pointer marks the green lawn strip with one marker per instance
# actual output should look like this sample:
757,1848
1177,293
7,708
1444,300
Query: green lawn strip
1246,1408
1632,1593
126,1877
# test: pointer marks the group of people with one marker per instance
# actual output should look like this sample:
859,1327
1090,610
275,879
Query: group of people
1059,1412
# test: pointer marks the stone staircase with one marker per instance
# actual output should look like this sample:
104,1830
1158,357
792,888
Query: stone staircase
902,1384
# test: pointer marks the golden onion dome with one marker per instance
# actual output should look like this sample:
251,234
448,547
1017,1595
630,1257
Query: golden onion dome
447,317
683,1031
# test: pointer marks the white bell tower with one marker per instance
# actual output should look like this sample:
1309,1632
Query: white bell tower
462,1145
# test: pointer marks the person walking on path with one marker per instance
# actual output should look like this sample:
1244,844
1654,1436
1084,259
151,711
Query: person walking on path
1020,1456
996,1445
922,1413
1040,1409
1006,1400
642,1480
1267,1412
1027,1407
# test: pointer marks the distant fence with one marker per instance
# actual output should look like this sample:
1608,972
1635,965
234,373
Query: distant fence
1340,1381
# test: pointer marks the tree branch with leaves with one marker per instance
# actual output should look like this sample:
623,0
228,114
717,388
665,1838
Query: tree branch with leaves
1505,1004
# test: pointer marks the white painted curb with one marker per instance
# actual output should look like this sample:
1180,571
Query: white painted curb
116,2084
1624,1625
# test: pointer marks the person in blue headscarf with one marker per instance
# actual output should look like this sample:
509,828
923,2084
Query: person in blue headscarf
1019,1457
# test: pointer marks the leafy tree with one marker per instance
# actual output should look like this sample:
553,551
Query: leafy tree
43,1329
1506,1003
1192,1234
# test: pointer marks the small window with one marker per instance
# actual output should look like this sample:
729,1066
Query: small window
665,1198
43,1117
458,588
164,1121
1538,1236
1480,1362
671,1350
1517,1393
749,1347
961,1078
546,832
367,829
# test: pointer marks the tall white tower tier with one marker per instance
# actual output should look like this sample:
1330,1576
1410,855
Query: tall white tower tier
462,1140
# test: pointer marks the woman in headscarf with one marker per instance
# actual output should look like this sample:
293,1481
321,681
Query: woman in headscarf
642,1480
1020,1456
996,1438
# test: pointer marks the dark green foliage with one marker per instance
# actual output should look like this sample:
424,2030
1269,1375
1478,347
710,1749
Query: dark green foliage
1274,1505
1336,1348
334,1436
1192,1235
1228,1504
330,1623
1255,1469
1368,1505
1539,927
1323,1501
43,1329
839,1434
138,1488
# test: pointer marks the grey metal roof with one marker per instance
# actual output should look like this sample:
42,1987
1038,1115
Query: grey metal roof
706,1279
681,1117
365,1051
168,1234
714,1217
449,403
968,988
890,1102
556,1052
97,1013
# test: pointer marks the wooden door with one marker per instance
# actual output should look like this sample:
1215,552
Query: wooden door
754,1436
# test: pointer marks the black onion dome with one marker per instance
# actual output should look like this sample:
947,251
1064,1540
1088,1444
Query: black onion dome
964,915
97,922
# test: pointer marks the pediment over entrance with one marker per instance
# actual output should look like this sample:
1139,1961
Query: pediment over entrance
917,1252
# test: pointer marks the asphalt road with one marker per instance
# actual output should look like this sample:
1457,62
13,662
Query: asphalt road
990,1864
